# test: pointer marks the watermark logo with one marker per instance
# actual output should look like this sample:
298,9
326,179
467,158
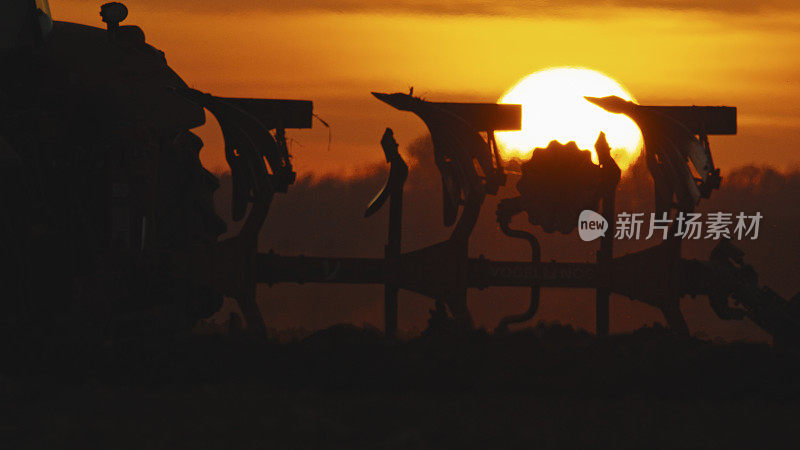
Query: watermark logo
714,226
591,225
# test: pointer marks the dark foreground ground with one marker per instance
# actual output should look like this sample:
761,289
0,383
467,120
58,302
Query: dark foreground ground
548,387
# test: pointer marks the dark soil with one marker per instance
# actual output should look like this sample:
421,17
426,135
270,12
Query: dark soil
346,387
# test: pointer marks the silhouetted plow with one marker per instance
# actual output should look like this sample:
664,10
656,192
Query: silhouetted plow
146,223
468,159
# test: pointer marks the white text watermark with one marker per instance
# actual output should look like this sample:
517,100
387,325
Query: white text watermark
713,225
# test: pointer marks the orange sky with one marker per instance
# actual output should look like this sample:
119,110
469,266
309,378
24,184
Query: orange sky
709,52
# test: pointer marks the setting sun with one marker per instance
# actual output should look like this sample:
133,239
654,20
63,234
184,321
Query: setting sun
554,108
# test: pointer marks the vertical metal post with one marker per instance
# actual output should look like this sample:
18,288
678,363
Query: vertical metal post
392,256
398,171
610,178
604,257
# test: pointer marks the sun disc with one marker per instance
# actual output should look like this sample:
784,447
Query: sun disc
554,108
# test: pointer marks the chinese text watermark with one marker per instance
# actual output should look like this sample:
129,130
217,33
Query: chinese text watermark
713,225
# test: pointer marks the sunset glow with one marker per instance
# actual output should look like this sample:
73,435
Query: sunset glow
553,108
335,57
